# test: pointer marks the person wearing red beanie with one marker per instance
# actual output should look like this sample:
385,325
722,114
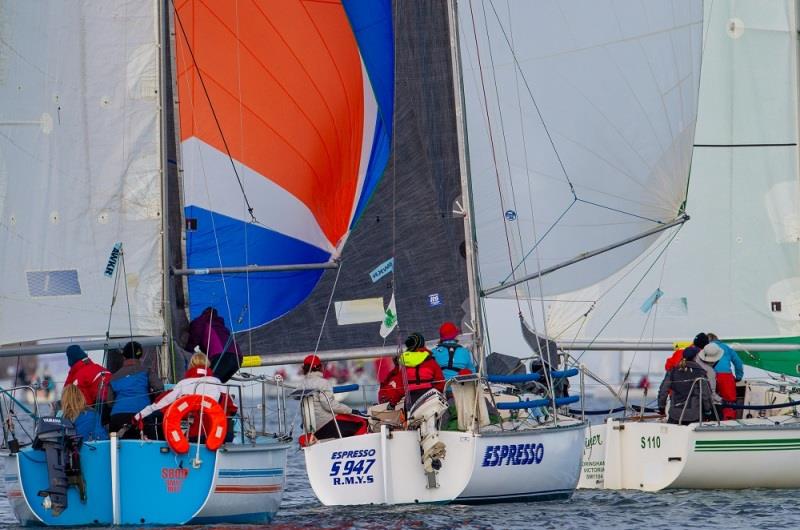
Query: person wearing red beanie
451,356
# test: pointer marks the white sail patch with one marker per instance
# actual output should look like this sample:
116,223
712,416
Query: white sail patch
781,202
783,299
142,72
210,184
359,311
53,283
141,196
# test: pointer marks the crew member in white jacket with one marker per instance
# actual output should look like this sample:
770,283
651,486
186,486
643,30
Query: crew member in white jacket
195,381
326,406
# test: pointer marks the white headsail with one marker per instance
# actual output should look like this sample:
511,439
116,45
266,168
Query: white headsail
732,269
79,168
580,122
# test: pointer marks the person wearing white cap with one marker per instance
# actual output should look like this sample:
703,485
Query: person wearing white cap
722,357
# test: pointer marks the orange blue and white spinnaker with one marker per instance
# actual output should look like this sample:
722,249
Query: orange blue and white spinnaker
285,130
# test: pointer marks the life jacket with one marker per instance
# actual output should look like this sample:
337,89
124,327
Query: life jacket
451,353
419,372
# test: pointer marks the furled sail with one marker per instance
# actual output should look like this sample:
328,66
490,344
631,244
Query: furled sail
732,269
79,169
580,123
410,239
285,126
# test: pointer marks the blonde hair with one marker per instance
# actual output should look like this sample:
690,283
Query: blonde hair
199,360
72,402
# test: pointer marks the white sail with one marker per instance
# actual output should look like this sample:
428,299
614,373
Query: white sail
580,123
734,268
79,168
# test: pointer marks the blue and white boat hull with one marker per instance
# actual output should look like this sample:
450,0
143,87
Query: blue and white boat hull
237,483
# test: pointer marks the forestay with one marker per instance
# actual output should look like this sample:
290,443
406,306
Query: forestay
285,121
79,168
580,121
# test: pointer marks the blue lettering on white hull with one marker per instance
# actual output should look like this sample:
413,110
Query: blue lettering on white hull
513,455
347,471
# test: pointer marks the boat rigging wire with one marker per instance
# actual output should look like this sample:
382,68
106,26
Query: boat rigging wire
214,113
505,149
528,179
491,136
533,100
548,379
212,216
633,289
327,309
242,146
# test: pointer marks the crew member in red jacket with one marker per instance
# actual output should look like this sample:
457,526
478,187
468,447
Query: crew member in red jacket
700,341
91,378
422,370
391,389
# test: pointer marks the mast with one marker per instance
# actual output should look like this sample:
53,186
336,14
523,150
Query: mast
166,306
466,189
795,7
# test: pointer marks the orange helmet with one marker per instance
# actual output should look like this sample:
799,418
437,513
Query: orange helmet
312,361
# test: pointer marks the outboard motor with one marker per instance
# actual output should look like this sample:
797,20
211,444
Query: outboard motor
58,439
425,414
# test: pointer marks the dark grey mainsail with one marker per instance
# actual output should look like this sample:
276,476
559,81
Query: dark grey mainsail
410,217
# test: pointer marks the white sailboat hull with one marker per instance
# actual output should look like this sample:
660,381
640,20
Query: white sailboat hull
551,473
385,468
652,456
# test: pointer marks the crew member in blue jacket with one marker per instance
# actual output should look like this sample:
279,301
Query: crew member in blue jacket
131,389
722,358
450,355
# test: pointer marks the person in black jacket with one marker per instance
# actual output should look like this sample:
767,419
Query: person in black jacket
689,390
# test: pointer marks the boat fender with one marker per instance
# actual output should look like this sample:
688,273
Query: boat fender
184,406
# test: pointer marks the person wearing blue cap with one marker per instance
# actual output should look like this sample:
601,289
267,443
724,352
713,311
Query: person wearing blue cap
91,378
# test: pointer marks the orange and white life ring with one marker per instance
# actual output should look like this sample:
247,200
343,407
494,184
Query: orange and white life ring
184,406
